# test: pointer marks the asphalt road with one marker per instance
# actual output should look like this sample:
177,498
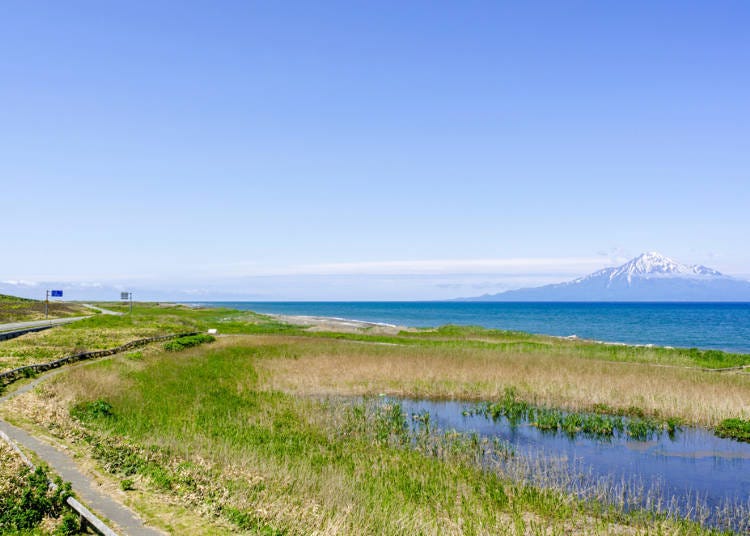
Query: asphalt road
13,326
103,311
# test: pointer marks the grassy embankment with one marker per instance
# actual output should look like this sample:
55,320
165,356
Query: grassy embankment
14,309
108,331
198,428
222,429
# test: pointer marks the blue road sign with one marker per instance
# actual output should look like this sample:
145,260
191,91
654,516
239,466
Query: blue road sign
56,293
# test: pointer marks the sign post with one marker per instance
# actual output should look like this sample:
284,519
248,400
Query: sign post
127,296
54,294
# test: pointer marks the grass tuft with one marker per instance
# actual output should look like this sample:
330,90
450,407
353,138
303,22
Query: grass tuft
738,429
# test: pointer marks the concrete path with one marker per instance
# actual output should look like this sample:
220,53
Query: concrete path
13,326
62,463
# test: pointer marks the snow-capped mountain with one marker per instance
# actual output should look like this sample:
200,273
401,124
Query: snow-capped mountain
648,277
648,265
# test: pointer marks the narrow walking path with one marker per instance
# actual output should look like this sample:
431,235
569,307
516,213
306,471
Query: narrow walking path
63,464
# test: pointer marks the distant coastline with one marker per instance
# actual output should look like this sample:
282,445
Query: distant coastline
650,277
708,326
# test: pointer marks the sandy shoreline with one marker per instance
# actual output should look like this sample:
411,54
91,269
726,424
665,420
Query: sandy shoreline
328,323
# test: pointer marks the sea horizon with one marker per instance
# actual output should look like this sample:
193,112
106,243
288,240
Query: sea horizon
705,325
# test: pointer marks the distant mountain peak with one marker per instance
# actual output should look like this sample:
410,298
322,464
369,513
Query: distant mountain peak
649,277
651,264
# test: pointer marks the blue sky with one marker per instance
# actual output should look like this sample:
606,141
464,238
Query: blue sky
369,150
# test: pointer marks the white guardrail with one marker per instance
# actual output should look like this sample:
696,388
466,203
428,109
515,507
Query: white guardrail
87,517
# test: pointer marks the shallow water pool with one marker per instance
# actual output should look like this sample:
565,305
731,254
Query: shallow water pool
691,472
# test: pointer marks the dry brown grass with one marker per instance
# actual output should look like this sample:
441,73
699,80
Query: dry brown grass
284,499
306,366
10,468
13,309
354,368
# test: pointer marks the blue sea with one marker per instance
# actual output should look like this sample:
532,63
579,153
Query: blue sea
721,326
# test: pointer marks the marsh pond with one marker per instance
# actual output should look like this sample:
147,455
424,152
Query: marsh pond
673,471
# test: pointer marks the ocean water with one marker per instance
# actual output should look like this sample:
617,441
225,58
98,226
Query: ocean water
720,326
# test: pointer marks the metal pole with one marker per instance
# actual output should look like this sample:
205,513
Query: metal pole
46,306
131,303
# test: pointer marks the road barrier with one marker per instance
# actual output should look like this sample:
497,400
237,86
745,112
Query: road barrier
11,376
6,335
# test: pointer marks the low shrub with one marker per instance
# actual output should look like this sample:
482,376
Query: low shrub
86,411
70,524
188,341
33,501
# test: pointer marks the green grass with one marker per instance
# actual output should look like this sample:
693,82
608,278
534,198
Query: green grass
202,426
738,429
107,331
271,456
451,336
188,341
4,298
104,331
600,425
15,309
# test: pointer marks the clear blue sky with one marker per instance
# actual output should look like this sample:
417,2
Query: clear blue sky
369,149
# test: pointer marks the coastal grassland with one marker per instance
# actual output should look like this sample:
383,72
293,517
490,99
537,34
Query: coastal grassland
467,363
205,428
107,331
251,433
14,309
556,377
478,337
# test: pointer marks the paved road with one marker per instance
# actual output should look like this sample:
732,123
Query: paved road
104,311
12,326
62,463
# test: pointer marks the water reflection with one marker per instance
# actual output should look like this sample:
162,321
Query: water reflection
693,471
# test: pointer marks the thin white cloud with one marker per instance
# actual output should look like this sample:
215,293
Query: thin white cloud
517,266
535,269
20,283
511,266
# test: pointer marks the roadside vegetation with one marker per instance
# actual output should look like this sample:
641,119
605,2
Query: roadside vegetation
203,430
27,504
14,309
101,332
276,429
